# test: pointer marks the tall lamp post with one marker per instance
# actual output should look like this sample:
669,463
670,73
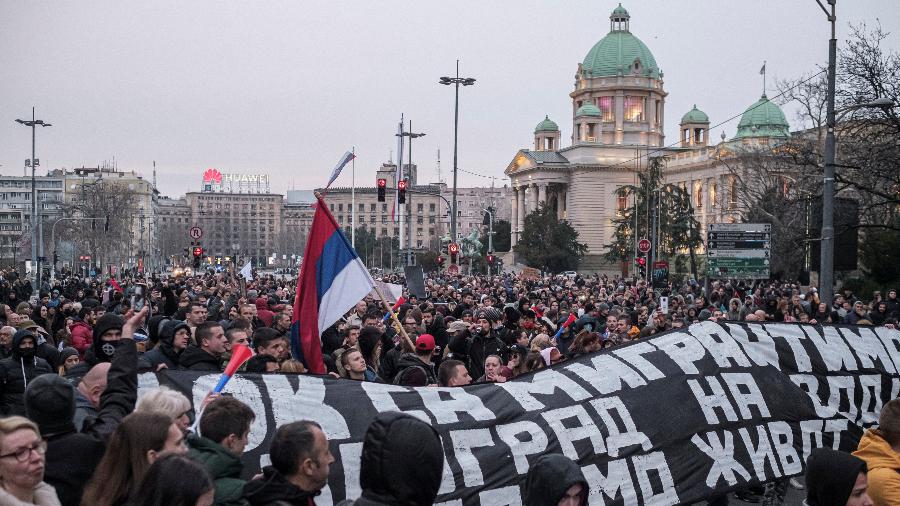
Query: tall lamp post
465,81
34,163
409,227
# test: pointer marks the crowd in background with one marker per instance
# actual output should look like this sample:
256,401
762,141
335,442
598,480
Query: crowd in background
74,431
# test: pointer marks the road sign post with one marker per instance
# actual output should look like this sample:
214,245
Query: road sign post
738,250
644,245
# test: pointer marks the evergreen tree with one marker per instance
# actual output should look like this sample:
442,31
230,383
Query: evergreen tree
650,200
549,244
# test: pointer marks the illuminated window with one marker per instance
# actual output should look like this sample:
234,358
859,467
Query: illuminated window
698,195
634,108
621,203
607,108
713,194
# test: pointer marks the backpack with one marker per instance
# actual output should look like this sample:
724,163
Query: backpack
404,373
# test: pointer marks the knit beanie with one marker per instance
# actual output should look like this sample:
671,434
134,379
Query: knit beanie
104,351
830,476
50,403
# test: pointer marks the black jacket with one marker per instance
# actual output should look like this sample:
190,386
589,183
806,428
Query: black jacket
549,478
388,476
476,348
15,374
196,359
73,456
412,372
272,489
165,353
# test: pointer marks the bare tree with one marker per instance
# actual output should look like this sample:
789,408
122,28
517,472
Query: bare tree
106,233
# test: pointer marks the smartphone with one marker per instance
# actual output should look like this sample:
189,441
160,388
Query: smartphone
139,299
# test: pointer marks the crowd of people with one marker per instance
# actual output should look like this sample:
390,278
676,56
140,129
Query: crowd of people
74,431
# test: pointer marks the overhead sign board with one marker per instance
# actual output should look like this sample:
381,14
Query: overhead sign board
738,250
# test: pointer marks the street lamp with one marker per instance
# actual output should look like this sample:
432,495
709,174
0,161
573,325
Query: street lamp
465,81
34,162
409,226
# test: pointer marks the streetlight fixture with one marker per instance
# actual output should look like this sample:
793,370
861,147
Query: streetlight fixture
34,162
447,81
409,227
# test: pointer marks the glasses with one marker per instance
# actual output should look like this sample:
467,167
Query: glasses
22,454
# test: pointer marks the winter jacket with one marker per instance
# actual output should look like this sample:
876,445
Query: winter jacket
476,348
884,468
224,468
262,311
273,489
73,456
196,359
164,353
412,372
549,478
15,374
388,476
82,337
44,495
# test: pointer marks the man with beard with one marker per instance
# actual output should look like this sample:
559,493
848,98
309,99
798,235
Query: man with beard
173,339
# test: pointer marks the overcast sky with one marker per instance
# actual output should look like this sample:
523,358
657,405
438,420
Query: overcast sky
285,88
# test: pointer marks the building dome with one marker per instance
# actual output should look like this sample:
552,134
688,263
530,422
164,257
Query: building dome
547,125
620,52
694,116
763,119
588,109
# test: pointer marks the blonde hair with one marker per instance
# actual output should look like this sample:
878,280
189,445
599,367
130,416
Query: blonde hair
292,367
540,341
165,401
10,424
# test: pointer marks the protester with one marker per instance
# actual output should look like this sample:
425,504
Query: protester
106,339
19,369
453,373
416,369
354,365
68,359
207,354
194,486
880,449
835,478
301,460
402,462
137,442
492,370
224,432
88,393
554,480
483,341
22,465
166,401
173,340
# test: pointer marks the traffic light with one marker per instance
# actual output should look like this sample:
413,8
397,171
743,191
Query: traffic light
401,191
453,249
440,260
641,266
198,252
382,184
490,258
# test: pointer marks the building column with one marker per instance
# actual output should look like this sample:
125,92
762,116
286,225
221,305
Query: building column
515,215
532,204
542,193
520,217
560,202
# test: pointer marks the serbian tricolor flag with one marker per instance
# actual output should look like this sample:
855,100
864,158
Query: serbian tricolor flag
332,280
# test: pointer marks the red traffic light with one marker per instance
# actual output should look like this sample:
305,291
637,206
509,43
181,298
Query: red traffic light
440,260
453,248
198,251
382,183
401,185
490,259
642,261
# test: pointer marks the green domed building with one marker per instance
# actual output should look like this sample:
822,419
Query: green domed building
763,119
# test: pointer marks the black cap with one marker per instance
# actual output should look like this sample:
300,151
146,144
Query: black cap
50,403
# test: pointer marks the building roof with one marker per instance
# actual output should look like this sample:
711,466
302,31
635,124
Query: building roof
763,119
547,125
545,156
695,116
588,109
617,53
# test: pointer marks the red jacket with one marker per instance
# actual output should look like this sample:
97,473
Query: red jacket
82,337
262,311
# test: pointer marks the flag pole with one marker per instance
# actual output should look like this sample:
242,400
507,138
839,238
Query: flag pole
353,199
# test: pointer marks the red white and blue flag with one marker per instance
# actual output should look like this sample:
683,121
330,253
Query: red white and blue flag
332,280
340,165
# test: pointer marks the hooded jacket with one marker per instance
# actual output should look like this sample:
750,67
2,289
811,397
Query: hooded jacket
476,348
419,374
223,466
100,350
263,312
82,337
273,489
550,477
16,372
165,353
884,467
195,358
402,462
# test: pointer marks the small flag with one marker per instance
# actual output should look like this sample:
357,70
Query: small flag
240,353
570,320
115,285
332,280
762,71
246,272
387,316
340,165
